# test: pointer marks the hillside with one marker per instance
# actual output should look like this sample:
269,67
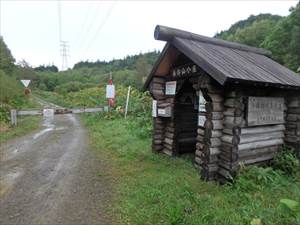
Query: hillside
281,35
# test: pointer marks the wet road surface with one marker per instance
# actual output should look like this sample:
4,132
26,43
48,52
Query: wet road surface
50,177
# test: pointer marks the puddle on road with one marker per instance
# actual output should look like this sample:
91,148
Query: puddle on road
7,181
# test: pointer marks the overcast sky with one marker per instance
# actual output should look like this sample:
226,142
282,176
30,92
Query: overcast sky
113,29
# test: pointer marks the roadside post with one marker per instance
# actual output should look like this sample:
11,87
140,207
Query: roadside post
127,101
13,117
110,92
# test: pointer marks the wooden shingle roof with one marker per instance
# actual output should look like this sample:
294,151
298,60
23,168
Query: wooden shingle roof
225,61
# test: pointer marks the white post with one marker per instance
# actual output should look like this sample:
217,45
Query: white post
13,117
127,101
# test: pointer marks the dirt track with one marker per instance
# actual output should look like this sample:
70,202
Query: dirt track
50,177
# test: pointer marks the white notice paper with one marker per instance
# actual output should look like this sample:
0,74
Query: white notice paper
110,91
154,108
201,120
171,88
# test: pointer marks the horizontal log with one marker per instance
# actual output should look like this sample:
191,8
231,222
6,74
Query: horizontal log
256,152
294,102
213,134
260,144
167,146
158,79
198,160
231,139
229,166
200,131
214,115
234,120
259,159
168,141
293,117
264,129
213,124
214,151
232,131
158,136
214,142
214,107
200,146
169,135
157,86
234,103
233,112
157,142
167,152
293,110
249,138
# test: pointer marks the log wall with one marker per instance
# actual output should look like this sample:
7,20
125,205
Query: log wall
292,133
209,136
242,144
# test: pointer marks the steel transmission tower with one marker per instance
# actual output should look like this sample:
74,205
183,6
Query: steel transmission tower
64,45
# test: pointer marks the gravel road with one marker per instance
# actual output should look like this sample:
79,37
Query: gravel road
51,176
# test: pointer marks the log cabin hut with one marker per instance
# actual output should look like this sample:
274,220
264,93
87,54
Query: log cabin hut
226,102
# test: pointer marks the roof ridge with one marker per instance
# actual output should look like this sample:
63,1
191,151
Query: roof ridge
165,33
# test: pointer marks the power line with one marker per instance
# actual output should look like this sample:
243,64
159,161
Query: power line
90,25
80,33
101,25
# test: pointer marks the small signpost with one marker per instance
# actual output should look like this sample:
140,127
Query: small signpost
26,84
110,92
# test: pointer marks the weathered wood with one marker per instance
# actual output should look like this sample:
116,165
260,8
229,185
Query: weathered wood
260,144
168,141
256,152
264,129
214,107
215,115
260,137
214,124
265,110
234,103
234,120
230,139
294,102
233,112
259,159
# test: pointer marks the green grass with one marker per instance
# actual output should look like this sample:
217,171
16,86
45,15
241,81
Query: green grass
25,124
157,189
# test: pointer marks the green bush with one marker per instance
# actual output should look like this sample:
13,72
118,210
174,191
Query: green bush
287,161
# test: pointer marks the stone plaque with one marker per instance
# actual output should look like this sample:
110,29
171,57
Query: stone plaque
265,110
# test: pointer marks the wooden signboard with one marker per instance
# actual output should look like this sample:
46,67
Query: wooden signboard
185,71
265,110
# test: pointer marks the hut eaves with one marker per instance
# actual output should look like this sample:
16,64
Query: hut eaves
226,62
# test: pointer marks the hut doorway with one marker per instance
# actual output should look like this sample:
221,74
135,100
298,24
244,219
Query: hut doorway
186,119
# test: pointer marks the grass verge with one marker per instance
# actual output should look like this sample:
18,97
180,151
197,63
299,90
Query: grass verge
25,125
157,189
